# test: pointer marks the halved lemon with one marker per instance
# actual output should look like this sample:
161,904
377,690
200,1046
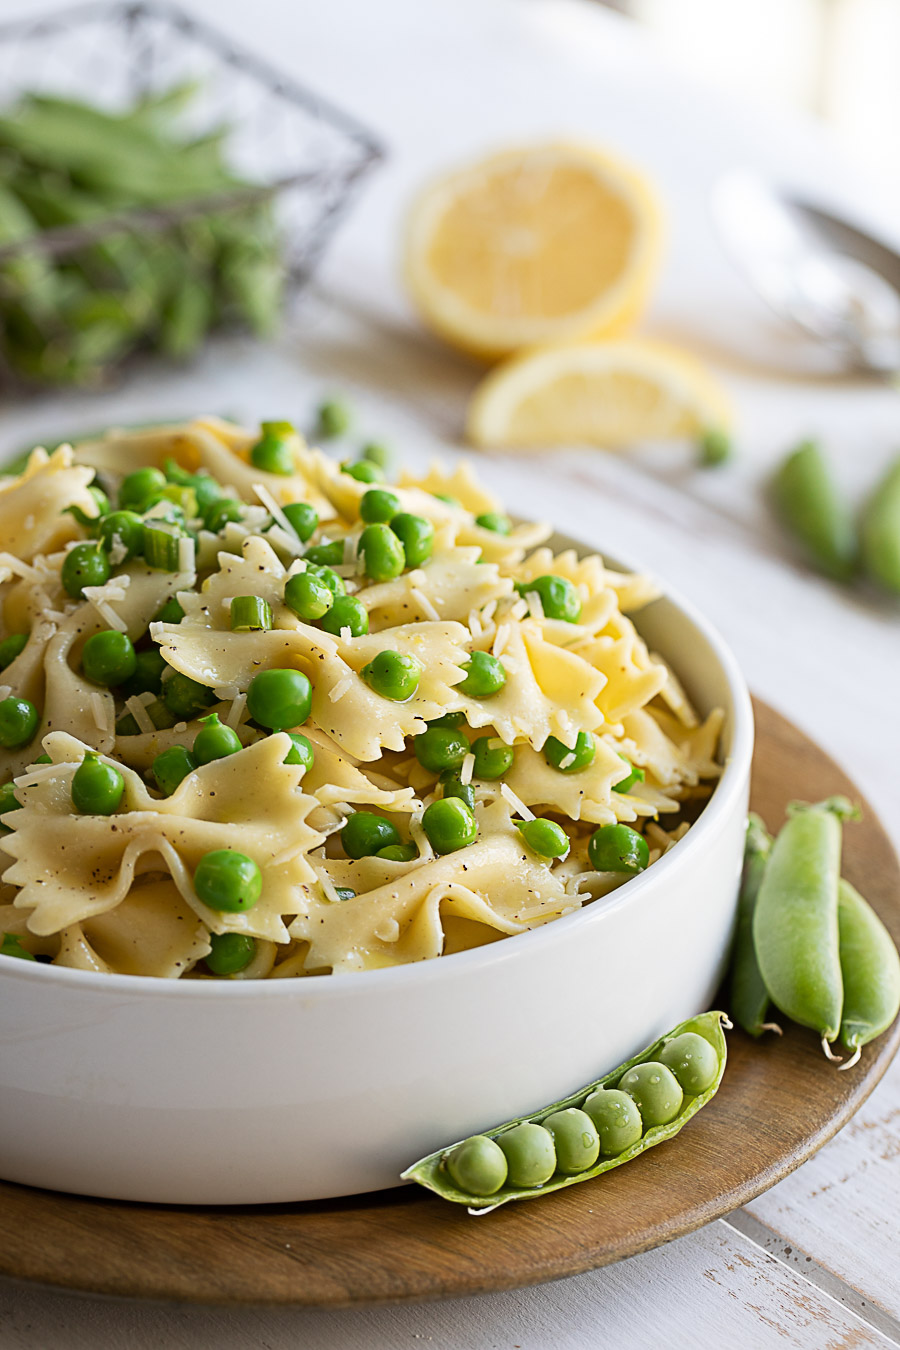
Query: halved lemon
612,394
541,244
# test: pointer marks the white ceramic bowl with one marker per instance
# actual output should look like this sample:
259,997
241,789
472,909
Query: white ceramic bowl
251,1092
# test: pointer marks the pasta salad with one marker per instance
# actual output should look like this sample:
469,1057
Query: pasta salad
264,716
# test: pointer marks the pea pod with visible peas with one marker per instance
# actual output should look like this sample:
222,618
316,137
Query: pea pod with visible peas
870,967
795,923
749,1000
643,1102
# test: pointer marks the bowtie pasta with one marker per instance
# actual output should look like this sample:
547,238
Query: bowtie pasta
263,716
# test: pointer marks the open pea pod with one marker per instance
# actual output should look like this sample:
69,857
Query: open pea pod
432,1172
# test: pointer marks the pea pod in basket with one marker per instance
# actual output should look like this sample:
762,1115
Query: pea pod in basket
643,1102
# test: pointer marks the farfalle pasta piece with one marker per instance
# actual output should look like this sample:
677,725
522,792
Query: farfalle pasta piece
336,778
33,515
632,590
449,586
584,795
498,882
249,802
548,690
632,679
461,485
153,931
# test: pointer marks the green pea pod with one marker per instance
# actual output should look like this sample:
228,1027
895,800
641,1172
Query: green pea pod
880,532
870,966
813,509
431,1172
795,924
749,1001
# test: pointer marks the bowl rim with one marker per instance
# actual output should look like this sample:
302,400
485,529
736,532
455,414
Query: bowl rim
477,959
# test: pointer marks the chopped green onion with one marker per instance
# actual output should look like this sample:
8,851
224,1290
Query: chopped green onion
161,545
250,612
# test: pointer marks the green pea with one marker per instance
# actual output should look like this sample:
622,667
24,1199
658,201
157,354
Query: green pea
382,552
100,497
227,881
308,596
495,522
126,725
330,553
393,675
205,488
449,825
567,758
97,788
139,490
377,452
530,1154
231,952
492,758
11,647
43,759
575,1139
122,534
634,776
171,767
184,697
485,676
279,699
334,418
109,658
399,853
273,454
171,612
416,534
222,512
692,1060
19,721
453,719
11,945
346,612
327,575
544,837
559,598
214,741
302,518
84,565
8,800
440,748
656,1091
365,834
453,786
616,1120
364,471
618,848
477,1165
715,448
301,751
379,506
149,666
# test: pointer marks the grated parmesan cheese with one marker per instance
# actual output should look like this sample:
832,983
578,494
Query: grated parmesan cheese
185,554
226,692
339,690
346,633
534,604
328,886
468,766
137,706
38,775
424,604
518,610
474,623
567,760
5,691
274,509
504,632
236,712
99,713
516,802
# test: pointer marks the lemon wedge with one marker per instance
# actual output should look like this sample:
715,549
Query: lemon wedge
612,394
547,243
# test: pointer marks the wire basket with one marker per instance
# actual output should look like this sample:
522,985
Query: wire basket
84,287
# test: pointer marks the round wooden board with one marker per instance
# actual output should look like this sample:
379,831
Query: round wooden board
779,1102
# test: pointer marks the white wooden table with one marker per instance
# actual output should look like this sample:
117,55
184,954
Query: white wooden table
816,1261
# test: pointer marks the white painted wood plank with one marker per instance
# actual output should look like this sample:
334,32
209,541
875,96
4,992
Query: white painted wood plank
706,1291
842,1205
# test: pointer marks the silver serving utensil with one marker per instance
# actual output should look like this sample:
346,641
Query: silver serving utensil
831,279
